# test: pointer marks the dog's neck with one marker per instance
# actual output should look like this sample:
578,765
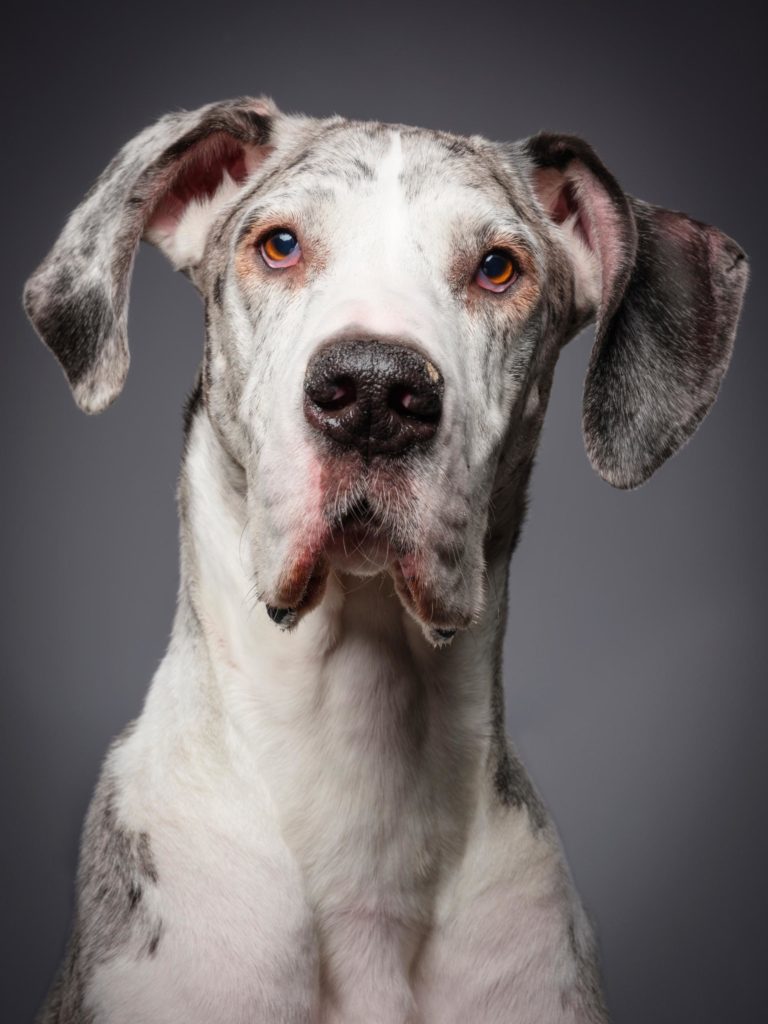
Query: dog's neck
358,657
377,751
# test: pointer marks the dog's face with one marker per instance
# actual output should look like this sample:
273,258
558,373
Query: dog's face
384,310
376,307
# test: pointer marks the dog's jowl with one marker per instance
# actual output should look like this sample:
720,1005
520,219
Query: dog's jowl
317,818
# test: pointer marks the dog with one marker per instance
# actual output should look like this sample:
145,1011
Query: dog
317,817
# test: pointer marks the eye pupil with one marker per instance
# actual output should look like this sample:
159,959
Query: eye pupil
497,271
283,243
497,267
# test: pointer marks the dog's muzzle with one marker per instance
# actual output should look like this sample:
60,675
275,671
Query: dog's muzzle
378,398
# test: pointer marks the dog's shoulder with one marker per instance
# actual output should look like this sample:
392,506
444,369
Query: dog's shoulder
116,868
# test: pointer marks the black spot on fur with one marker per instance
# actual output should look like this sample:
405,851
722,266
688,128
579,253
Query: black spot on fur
65,1000
455,145
116,867
144,855
515,788
549,149
75,324
511,783
218,290
585,997
154,942
364,170
193,403
231,119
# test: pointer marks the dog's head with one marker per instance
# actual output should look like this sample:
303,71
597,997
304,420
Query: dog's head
384,309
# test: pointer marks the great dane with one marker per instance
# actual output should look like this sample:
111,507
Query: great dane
317,816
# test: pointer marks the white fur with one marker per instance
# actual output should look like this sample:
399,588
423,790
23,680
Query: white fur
328,842
256,753
183,242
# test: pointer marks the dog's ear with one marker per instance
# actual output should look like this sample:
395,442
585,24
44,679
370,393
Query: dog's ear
666,292
166,186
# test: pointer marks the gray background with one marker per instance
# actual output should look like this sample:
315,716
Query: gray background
636,686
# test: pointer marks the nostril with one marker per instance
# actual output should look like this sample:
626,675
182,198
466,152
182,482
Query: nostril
333,394
379,397
415,403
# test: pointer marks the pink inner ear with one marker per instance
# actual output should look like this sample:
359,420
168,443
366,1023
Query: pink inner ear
561,198
578,194
196,175
567,206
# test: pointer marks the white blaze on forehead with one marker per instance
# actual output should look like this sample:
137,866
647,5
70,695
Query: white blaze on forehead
376,281
391,192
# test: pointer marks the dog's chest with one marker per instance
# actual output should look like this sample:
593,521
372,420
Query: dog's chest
314,868
348,869
374,778
250,933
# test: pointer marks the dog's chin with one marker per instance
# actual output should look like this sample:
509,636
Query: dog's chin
359,561
357,546
358,551
366,537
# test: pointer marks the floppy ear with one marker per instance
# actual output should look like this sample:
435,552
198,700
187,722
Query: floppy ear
166,185
666,291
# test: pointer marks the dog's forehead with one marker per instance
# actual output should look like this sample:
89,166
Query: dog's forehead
336,157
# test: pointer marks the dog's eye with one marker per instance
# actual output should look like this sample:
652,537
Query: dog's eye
497,271
280,248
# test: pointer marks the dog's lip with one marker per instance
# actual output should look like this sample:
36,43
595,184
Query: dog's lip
300,590
351,549
423,601
353,537
357,538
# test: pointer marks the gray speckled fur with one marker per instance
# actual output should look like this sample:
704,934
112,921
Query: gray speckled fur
115,870
653,378
78,297
665,331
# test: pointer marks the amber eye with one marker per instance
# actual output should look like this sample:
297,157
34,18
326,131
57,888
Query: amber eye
280,248
497,271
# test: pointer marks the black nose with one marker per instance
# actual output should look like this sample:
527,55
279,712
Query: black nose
378,397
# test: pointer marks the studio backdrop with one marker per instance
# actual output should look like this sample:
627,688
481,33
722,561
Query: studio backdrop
635,655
